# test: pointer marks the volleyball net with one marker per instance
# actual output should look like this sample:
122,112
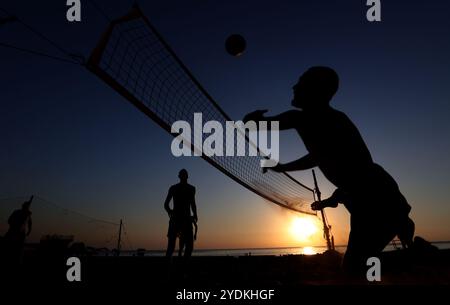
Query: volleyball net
54,221
136,61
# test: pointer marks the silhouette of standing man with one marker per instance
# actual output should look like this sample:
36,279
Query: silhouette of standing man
19,228
378,210
180,224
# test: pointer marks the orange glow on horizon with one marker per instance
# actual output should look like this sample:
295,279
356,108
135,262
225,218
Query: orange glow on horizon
309,251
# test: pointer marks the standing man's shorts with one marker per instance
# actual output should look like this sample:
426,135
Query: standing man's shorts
180,227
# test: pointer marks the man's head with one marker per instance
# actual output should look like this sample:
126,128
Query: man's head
315,88
183,175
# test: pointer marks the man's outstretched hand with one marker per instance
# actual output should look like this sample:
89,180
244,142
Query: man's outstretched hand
317,206
277,168
256,116
326,203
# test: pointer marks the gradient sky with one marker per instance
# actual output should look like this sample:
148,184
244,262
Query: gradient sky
69,138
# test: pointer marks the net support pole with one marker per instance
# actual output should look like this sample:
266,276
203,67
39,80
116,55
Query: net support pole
119,238
326,228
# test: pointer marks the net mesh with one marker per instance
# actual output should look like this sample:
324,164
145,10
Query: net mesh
52,220
135,61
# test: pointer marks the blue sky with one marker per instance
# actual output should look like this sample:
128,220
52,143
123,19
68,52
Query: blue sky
69,138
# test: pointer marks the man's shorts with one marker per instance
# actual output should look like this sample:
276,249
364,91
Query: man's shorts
180,228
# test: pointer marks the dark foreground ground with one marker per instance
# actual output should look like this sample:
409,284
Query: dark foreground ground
397,268
288,277
292,279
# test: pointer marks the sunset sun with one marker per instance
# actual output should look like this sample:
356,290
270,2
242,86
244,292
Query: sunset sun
302,228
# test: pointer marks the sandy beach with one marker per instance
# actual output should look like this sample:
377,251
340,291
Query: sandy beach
398,268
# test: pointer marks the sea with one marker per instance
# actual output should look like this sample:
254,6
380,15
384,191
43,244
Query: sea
268,251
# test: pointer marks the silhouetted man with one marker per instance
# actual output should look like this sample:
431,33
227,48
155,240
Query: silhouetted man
378,210
19,228
180,224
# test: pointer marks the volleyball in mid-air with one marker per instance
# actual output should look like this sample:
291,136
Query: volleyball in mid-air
235,45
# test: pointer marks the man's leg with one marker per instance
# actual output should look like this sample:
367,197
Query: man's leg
188,237
180,246
170,245
353,262
172,238
406,232
369,235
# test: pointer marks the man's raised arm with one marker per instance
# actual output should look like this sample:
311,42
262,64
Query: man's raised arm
287,120
305,162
